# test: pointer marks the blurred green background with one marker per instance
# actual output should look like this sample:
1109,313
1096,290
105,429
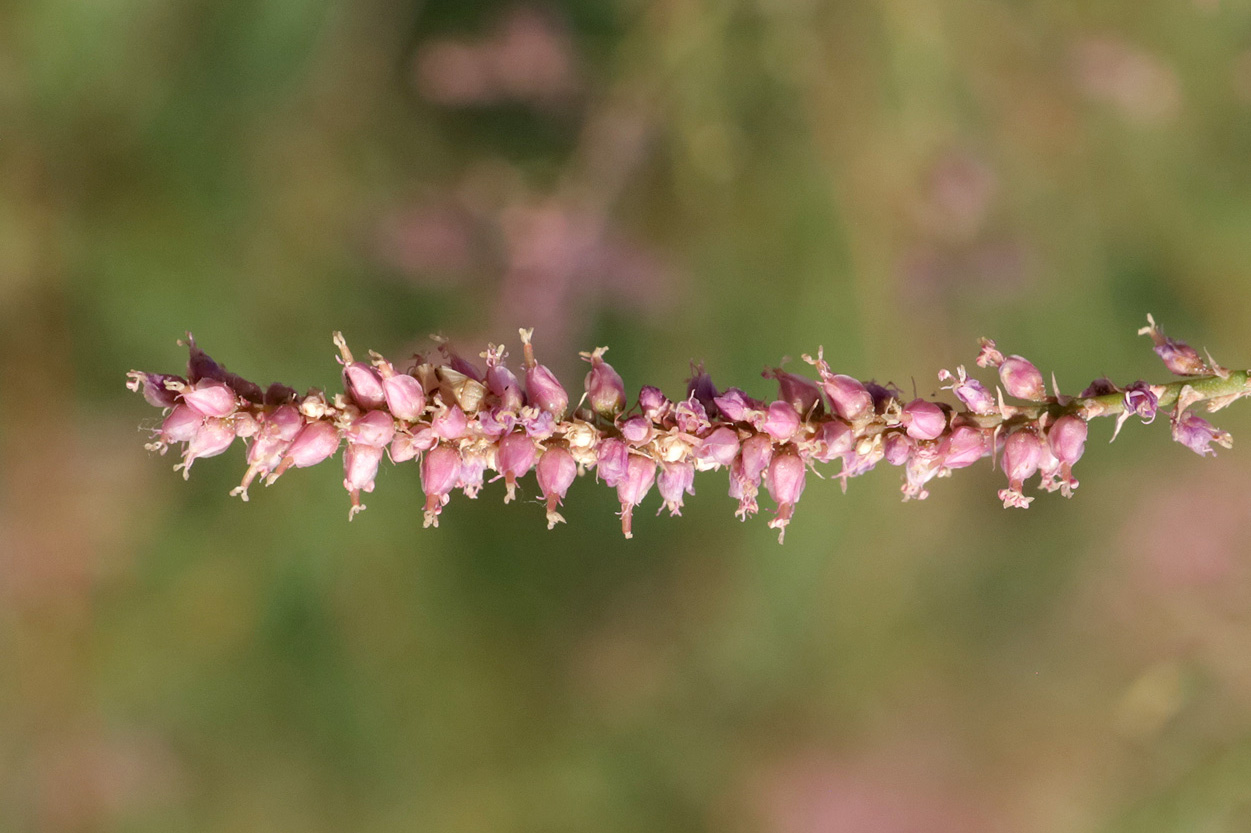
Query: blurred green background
730,182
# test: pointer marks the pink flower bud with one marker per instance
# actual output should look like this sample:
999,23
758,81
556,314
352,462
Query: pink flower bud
691,416
556,471
440,473
1067,440
403,448
360,467
501,381
516,456
895,448
756,453
834,439
971,392
364,386
637,431
802,393
404,395
542,388
720,447
211,398
781,421
631,489
372,428
736,406
785,482
675,480
424,437
1022,454
276,433
964,447
1021,379
181,425
611,461
315,442
212,438
450,423
473,466
245,424
1180,358
654,404
923,420
605,389
849,398
1198,434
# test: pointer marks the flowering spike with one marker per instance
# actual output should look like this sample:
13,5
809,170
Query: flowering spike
461,424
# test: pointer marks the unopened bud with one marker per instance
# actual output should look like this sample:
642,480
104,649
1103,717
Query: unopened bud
923,420
542,388
1022,379
785,482
440,473
555,472
633,487
675,480
605,389
516,456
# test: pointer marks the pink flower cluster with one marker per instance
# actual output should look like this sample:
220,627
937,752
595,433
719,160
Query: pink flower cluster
460,420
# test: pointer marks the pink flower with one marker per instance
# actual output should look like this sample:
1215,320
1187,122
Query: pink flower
362,383
1198,434
612,461
923,420
360,467
1022,453
515,458
556,473
542,388
1178,356
675,480
785,482
440,474
211,398
605,390
1022,379
631,489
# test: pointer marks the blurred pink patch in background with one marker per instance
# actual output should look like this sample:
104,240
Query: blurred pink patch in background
527,57
1141,86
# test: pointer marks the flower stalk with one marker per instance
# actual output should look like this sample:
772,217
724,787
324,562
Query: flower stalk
458,422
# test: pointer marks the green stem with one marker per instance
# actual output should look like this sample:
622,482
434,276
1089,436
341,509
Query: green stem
1236,383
